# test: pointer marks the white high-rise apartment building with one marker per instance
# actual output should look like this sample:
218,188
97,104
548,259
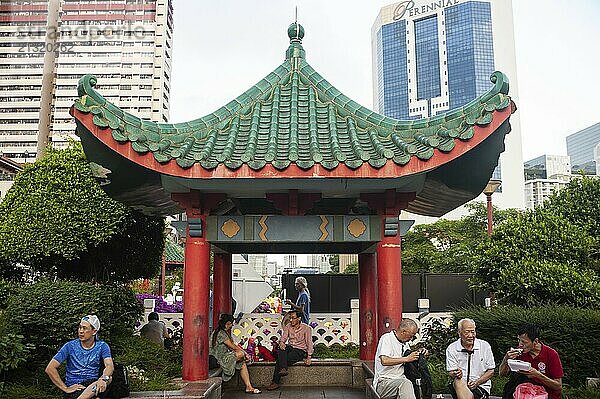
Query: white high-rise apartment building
127,44
259,263
319,262
430,57
538,190
290,262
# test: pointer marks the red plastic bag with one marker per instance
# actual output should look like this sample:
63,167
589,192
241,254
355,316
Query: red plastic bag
527,390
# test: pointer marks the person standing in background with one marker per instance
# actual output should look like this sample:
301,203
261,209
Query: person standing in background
303,302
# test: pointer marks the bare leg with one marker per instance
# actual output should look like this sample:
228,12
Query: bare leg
88,392
462,390
246,377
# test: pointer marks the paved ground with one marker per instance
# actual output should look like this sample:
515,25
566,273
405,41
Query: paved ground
301,393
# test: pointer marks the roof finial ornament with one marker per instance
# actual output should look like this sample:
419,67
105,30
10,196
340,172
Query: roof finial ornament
295,31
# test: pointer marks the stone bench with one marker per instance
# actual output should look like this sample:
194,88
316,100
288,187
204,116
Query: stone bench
322,372
370,392
368,369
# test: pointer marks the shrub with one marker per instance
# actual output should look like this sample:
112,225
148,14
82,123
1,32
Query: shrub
13,351
581,393
7,289
18,391
47,313
336,351
436,339
574,333
146,355
534,283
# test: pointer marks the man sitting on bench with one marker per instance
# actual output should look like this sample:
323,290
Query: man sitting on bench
390,381
296,344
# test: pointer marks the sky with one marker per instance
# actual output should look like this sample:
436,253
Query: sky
222,48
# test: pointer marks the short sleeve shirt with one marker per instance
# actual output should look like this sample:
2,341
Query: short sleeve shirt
219,349
155,331
482,360
548,363
82,364
389,346
304,300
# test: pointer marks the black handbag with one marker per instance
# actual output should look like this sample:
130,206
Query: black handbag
119,387
418,373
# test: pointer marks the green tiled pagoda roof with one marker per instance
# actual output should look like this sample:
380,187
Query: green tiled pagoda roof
293,116
173,253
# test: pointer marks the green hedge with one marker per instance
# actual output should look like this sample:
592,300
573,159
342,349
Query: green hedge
574,333
47,313
7,289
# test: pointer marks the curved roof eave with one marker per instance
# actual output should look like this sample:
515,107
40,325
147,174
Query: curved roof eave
294,124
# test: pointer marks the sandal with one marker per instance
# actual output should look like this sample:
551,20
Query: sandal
255,391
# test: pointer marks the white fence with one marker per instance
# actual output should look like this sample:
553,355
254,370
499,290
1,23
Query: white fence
328,328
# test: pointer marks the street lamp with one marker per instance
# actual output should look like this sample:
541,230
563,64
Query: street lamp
491,187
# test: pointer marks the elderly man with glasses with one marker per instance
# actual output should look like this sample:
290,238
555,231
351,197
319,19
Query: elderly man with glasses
84,357
296,344
393,352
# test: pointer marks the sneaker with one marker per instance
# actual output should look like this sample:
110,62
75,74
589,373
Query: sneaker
273,386
283,372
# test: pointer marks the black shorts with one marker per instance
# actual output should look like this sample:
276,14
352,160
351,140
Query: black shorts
75,395
478,393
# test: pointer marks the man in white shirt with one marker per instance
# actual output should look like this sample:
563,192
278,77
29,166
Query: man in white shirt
470,363
390,381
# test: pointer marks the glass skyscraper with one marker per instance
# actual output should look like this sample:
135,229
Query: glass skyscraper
435,63
580,147
430,57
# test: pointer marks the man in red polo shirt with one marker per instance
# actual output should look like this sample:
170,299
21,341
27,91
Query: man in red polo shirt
546,369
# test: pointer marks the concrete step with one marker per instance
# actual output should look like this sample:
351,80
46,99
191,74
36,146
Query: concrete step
208,389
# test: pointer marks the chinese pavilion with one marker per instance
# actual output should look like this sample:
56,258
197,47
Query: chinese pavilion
294,166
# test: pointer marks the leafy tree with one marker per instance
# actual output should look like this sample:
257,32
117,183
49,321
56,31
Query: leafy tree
579,203
450,246
57,220
351,268
548,254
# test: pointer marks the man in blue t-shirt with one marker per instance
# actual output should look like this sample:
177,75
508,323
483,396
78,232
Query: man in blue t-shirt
303,302
83,357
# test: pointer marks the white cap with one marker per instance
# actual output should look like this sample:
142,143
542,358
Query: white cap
93,320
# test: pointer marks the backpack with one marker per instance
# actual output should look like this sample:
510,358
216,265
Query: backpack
119,387
418,373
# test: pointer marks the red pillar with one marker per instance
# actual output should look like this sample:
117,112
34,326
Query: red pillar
196,299
389,282
221,286
367,279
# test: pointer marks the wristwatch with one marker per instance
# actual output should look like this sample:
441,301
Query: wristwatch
105,378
